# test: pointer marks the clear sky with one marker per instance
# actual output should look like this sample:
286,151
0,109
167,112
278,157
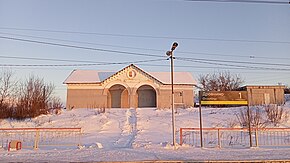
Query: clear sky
249,39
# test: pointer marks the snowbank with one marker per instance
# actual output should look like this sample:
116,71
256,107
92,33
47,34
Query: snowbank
135,135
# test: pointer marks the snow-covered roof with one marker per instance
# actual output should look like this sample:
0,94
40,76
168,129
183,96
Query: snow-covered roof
179,77
94,76
87,76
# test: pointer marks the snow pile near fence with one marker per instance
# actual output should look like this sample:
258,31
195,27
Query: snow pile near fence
134,135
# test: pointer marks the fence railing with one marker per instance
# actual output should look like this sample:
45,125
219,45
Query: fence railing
235,137
40,137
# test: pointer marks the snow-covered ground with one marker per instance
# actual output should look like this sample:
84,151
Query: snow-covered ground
136,135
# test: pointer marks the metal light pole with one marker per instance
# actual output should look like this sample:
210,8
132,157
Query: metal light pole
200,119
170,54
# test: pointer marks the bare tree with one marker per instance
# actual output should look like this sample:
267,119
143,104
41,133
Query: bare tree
7,93
257,117
55,105
34,97
7,86
262,116
222,81
276,114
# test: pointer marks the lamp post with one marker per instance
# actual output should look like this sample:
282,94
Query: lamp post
170,54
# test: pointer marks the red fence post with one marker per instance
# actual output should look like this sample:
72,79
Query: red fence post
9,146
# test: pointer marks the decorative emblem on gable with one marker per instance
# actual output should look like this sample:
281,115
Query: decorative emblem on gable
131,74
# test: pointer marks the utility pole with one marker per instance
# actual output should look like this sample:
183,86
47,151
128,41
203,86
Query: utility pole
170,54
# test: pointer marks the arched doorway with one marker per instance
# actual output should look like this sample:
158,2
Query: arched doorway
146,96
118,96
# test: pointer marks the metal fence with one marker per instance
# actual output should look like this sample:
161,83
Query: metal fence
235,137
41,137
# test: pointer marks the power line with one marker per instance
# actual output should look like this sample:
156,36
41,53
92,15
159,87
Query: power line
242,1
133,53
240,56
69,65
80,47
80,42
147,36
231,61
190,66
32,66
158,50
49,59
241,66
66,60
181,58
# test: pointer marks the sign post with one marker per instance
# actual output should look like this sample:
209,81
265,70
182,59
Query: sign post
249,123
223,98
200,119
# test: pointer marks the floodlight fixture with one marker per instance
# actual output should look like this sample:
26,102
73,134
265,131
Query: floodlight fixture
174,45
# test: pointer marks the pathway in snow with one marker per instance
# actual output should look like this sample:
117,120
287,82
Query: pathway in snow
129,130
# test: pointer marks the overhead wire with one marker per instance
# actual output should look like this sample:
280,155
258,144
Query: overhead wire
148,49
239,56
189,66
79,42
243,1
49,59
232,65
207,61
231,61
133,53
68,65
80,47
147,36
82,61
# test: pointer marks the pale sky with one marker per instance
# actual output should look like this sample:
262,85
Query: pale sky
249,39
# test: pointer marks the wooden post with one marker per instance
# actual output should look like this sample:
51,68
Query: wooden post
256,137
219,139
249,123
36,140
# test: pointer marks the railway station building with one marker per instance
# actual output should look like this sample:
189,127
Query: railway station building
131,87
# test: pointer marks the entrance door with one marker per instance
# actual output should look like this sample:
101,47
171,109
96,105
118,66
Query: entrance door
146,96
119,96
116,98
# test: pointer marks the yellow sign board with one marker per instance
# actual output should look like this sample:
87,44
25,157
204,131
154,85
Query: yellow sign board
224,98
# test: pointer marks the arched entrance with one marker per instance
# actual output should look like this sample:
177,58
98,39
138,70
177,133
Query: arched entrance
146,96
118,97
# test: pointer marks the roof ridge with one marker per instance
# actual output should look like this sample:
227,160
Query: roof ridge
136,67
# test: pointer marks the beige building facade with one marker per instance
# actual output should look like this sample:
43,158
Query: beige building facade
265,95
130,87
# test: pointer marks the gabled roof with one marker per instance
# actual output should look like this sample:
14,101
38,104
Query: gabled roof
87,76
179,77
136,68
93,76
